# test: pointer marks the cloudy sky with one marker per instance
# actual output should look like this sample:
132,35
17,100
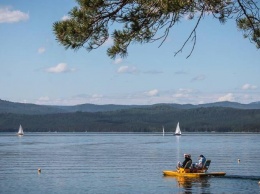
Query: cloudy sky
34,68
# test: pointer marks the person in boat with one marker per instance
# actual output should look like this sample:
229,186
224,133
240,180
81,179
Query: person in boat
201,162
187,158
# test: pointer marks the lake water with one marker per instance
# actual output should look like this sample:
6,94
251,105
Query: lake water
125,163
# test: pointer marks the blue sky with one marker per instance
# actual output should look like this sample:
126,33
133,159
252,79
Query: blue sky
34,68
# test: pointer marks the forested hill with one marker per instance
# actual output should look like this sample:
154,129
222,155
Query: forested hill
33,109
145,119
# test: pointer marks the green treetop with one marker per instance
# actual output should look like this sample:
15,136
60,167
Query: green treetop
144,21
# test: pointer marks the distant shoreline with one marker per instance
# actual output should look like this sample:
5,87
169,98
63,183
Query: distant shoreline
152,133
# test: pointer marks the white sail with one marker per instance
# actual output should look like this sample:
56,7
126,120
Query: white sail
163,130
20,131
178,130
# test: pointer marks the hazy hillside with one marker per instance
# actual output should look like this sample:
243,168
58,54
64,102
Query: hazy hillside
23,108
96,108
33,109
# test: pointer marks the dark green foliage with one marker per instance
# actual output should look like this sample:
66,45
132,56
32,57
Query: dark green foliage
148,119
146,21
220,117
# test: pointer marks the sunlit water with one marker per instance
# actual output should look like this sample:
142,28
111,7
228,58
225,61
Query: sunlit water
125,163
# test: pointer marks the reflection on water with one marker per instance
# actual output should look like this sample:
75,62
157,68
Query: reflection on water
187,183
177,137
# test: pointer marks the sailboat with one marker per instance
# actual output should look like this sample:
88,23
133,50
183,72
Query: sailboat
178,130
163,130
20,131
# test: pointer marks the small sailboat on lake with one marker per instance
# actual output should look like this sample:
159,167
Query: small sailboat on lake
20,131
163,130
178,130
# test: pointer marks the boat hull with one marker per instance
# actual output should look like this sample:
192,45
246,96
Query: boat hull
175,173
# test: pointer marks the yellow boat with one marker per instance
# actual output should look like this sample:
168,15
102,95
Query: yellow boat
188,172
191,174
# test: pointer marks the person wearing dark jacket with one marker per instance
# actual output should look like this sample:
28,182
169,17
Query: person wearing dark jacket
187,158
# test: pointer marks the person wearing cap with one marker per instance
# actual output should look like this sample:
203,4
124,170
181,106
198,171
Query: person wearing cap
201,162
187,157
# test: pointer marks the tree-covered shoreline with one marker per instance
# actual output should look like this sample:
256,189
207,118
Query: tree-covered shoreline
149,119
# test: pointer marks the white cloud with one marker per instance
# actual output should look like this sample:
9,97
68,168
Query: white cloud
246,97
127,69
181,96
97,96
118,61
198,78
60,68
154,92
183,93
11,16
75,100
227,97
44,98
66,17
248,87
41,50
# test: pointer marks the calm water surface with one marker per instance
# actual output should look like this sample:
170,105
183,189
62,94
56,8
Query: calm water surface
125,163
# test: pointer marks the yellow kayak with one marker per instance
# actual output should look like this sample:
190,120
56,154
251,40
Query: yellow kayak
192,174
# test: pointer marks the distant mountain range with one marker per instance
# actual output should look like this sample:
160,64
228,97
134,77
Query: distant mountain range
33,109
218,117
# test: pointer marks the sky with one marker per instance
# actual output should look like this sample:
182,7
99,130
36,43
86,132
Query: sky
35,68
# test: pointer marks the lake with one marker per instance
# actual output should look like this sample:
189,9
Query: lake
125,163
